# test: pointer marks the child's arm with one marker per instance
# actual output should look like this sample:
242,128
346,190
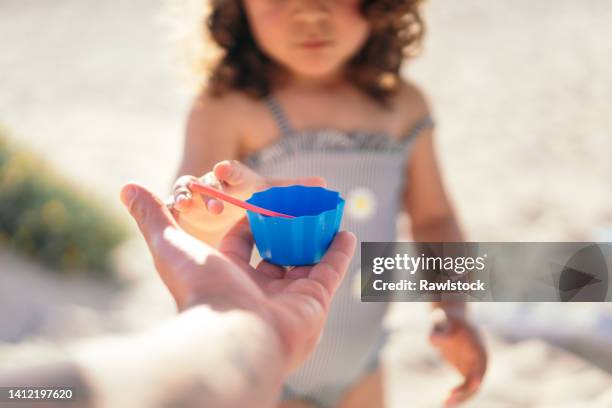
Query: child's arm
433,219
211,136
212,144
432,216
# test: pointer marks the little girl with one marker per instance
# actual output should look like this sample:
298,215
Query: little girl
312,88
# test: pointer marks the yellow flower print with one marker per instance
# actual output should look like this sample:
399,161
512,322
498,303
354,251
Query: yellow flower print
361,204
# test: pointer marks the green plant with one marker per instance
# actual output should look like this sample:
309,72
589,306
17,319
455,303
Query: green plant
45,216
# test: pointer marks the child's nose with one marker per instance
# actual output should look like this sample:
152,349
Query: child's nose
311,11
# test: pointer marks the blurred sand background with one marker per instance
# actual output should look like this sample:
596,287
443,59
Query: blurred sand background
522,93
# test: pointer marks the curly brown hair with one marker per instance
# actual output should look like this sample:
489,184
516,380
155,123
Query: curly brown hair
396,33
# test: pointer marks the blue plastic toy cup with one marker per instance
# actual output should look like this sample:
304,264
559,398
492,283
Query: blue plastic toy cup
302,240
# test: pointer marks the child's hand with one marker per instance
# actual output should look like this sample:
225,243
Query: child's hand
232,177
461,346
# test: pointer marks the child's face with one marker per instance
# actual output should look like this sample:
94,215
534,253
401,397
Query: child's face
312,38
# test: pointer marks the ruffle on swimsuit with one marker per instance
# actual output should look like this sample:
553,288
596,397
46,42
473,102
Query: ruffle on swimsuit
332,140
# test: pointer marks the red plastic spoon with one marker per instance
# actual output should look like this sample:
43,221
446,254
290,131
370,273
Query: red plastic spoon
204,189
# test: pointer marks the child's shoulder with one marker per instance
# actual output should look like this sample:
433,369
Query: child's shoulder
222,107
411,94
230,110
411,104
234,114
233,103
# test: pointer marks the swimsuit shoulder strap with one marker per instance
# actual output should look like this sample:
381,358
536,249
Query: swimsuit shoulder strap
423,124
278,113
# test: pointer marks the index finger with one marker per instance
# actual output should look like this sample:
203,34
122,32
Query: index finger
234,173
183,182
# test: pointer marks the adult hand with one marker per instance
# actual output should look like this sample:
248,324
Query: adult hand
294,302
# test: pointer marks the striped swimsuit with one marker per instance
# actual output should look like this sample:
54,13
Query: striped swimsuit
368,170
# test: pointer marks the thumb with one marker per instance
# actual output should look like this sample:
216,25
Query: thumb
330,271
234,173
313,181
149,212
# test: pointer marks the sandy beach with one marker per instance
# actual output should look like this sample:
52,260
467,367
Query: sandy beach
521,92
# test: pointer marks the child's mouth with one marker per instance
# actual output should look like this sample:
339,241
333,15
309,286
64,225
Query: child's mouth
314,44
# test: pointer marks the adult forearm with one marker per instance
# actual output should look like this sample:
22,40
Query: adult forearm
200,358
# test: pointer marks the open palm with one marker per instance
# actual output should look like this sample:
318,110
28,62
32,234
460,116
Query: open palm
294,302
